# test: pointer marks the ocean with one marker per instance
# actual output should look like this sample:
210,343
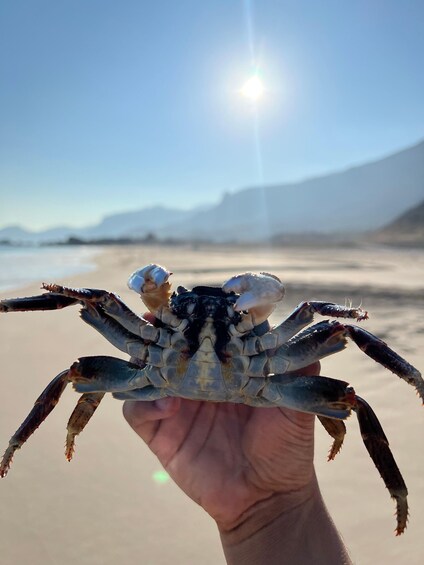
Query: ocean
20,266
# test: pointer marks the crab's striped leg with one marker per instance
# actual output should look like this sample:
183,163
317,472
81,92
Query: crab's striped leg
333,398
313,344
110,374
326,338
136,346
42,408
102,300
83,411
378,350
378,447
114,332
46,301
337,430
92,376
302,316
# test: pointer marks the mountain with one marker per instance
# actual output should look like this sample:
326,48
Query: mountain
360,199
21,235
407,229
138,223
134,224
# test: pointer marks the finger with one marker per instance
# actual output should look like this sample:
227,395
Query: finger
309,371
149,317
144,417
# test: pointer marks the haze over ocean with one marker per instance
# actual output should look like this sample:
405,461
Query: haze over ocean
24,265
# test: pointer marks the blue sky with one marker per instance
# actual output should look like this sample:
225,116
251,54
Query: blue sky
109,106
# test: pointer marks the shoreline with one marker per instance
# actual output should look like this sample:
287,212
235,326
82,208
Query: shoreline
25,266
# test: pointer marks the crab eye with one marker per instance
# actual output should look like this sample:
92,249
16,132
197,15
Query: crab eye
181,289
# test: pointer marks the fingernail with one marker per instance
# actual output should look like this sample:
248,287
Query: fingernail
165,404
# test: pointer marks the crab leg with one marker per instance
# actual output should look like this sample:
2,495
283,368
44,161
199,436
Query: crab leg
317,342
378,350
42,408
326,338
378,447
317,395
335,399
89,375
107,302
62,296
47,301
337,430
114,332
110,374
83,411
302,316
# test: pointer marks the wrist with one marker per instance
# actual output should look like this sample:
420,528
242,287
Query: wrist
293,528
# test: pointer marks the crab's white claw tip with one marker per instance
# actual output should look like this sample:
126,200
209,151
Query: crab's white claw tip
246,301
136,282
232,285
159,275
255,290
151,273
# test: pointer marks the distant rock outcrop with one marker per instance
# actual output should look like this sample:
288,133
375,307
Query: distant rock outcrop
407,229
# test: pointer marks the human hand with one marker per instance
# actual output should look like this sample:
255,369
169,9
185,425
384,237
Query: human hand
229,458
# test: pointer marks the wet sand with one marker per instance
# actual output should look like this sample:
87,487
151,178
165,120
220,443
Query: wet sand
105,507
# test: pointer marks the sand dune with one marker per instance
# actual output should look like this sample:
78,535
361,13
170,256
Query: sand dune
105,507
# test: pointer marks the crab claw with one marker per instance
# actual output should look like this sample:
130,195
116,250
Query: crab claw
148,278
151,283
255,289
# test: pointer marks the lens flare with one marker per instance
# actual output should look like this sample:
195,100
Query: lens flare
160,477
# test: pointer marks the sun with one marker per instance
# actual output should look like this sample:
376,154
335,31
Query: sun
253,89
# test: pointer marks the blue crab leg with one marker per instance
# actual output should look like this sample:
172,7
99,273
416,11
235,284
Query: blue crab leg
61,296
42,408
317,395
335,399
103,373
337,430
83,411
125,340
109,302
114,332
326,338
317,342
110,316
302,316
378,350
378,447
47,301
88,375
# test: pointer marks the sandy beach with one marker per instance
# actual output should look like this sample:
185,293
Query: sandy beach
105,507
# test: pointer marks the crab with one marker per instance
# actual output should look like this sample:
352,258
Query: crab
216,344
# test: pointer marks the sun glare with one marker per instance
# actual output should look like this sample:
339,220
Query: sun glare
253,88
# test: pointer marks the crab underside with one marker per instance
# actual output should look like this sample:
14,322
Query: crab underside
215,344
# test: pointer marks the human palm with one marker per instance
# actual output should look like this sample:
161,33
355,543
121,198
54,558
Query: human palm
228,457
